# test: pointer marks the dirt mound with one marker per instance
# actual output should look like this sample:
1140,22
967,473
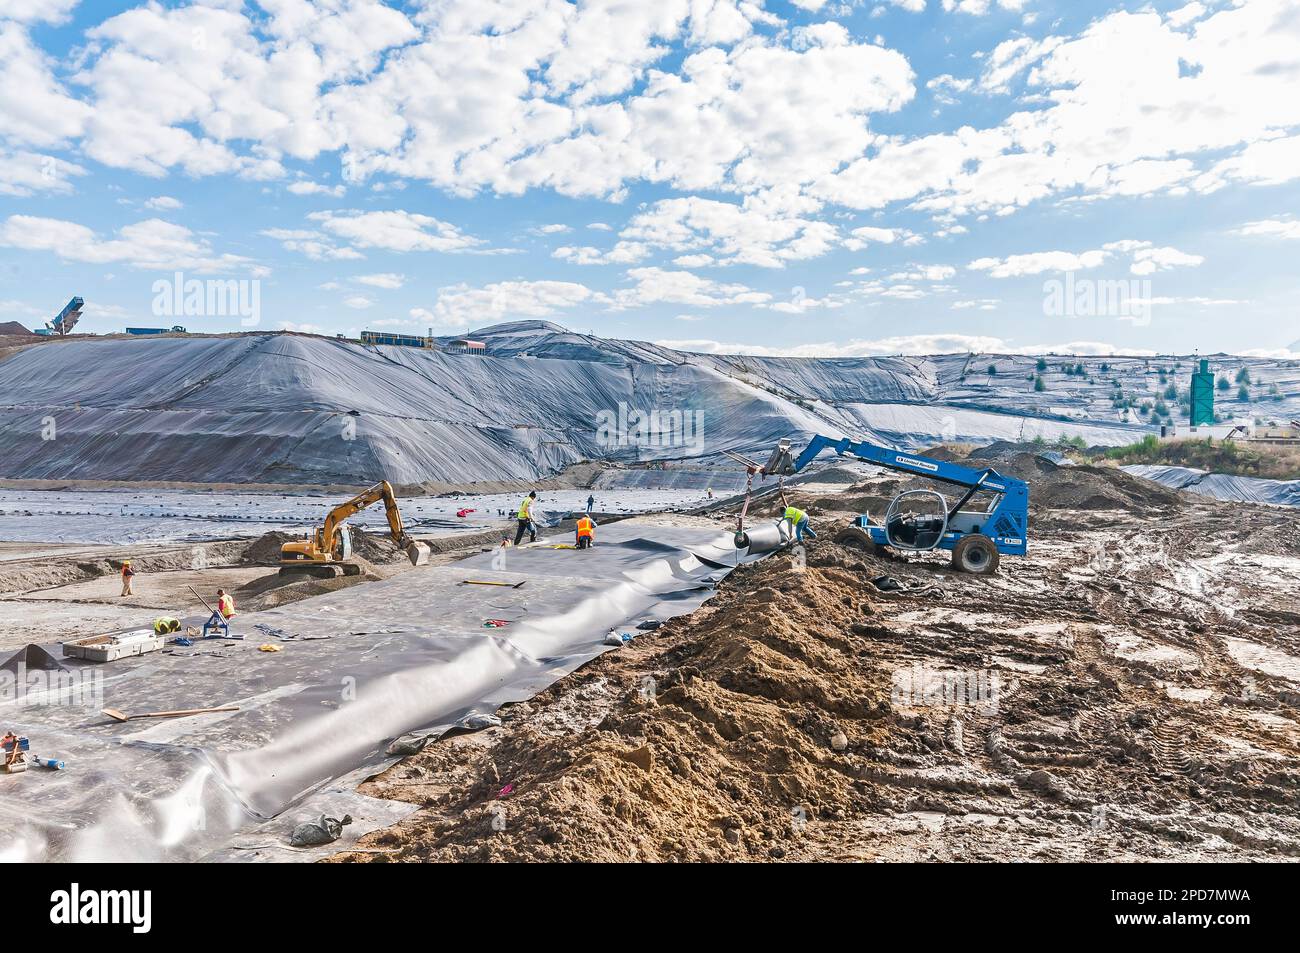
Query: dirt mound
265,550
745,727
375,547
1124,693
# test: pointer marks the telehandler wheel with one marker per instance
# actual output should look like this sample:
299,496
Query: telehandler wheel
975,554
855,537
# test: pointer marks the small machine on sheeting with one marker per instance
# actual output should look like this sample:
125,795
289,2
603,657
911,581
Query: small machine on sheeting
916,520
16,752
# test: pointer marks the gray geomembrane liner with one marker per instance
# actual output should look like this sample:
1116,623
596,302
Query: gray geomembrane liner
363,675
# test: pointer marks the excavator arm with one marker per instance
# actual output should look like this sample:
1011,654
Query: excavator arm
327,533
382,490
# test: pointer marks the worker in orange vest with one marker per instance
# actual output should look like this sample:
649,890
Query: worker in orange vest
586,532
127,574
225,604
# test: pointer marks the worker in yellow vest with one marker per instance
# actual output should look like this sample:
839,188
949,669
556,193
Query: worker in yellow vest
585,532
799,522
525,516
127,575
225,604
165,624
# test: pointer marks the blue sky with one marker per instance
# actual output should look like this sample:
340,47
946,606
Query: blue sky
811,178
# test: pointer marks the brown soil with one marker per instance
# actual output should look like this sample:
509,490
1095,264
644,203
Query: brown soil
1131,690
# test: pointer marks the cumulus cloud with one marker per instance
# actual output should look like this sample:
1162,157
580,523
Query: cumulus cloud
1269,228
315,245
152,244
1132,105
730,233
1146,258
460,305
386,280
395,231
307,187
24,173
659,285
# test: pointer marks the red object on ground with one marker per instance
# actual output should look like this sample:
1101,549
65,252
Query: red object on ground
463,513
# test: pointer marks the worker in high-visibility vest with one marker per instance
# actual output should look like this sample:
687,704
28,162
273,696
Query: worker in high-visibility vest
225,604
585,532
799,521
165,624
525,516
127,575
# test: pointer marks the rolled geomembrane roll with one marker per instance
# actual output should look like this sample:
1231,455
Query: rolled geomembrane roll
765,538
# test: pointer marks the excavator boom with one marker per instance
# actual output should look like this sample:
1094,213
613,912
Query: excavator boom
325,545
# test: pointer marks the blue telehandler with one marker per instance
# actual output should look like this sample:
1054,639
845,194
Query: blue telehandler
920,520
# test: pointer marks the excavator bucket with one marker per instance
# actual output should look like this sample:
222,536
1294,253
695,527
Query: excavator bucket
781,462
418,553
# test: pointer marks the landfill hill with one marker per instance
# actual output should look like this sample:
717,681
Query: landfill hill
273,408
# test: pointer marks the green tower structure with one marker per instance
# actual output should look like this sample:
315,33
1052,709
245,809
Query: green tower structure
1202,395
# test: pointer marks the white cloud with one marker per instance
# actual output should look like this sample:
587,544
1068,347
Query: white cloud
306,187
1035,263
387,280
1185,15
152,244
946,87
730,233
555,229
395,231
460,305
1011,57
36,11
978,8
1150,259
164,203
23,173
1269,228
35,109
867,234
925,273
1146,258
623,253
360,302
1130,106
313,244
658,285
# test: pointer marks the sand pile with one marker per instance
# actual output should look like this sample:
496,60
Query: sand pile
265,550
746,727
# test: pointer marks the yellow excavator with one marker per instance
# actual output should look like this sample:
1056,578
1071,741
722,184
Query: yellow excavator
326,552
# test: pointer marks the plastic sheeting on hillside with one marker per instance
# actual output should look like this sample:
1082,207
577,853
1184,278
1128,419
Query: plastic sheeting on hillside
1222,486
293,409
912,425
364,674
